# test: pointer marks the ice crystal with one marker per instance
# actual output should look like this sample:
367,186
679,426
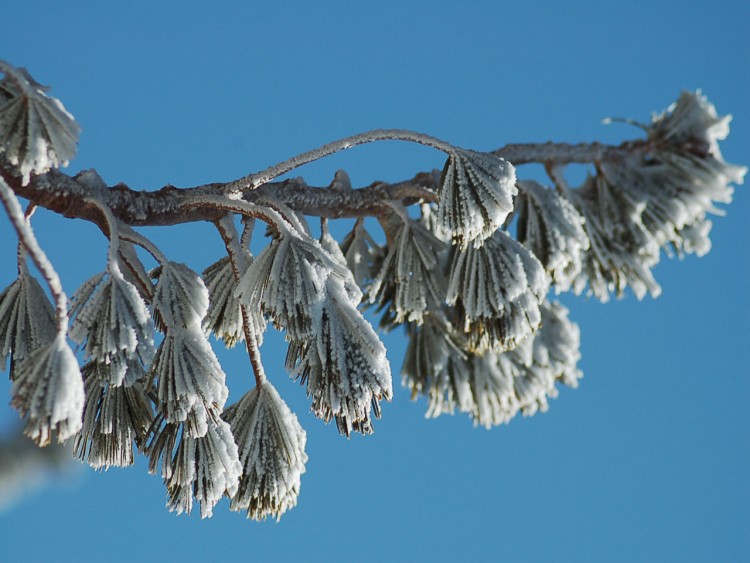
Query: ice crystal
224,316
286,281
271,443
475,195
188,377
113,418
409,282
27,320
36,131
111,321
206,467
492,387
343,365
551,228
621,252
496,289
360,251
180,297
48,390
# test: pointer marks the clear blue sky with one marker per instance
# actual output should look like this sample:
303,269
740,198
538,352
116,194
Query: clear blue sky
648,460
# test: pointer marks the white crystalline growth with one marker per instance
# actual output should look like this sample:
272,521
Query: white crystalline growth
112,322
224,316
27,319
36,132
475,195
344,365
189,378
497,288
205,467
407,281
552,229
271,443
180,298
48,390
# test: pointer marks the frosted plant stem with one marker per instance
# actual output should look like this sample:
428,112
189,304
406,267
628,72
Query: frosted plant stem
252,181
20,250
244,208
27,238
114,235
232,242
558,153
128,234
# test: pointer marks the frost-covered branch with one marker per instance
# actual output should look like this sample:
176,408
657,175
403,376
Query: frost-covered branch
468,280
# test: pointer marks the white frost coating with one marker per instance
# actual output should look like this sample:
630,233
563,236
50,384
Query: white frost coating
286,281
113,418
112,322
207,467
224,316
475,195
344,365
622,251
36,131
655,197
492,388
271,443
329,244
407,283
180,298
190,381
497,289
551,228
360,251
27,319
48,389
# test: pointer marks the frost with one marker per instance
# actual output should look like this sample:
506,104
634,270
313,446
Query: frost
48,390
360,251
224,316
409,284
113,418
496,289
286,280
111,321
621,252
271,443
343,365
188,377
27,320
180,297
492,388
36,132
551,228
206,467
475,195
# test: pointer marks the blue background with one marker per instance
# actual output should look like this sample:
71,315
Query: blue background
648,460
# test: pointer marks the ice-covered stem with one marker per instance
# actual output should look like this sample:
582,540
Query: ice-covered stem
27,238
130,235
232,242
20,251
113,232
252,181
558,153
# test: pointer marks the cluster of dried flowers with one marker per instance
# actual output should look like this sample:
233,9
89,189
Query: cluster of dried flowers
468,279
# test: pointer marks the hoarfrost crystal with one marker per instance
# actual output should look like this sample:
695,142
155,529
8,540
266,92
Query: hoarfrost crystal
271,443
27,320
475,196
36,131
48,389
